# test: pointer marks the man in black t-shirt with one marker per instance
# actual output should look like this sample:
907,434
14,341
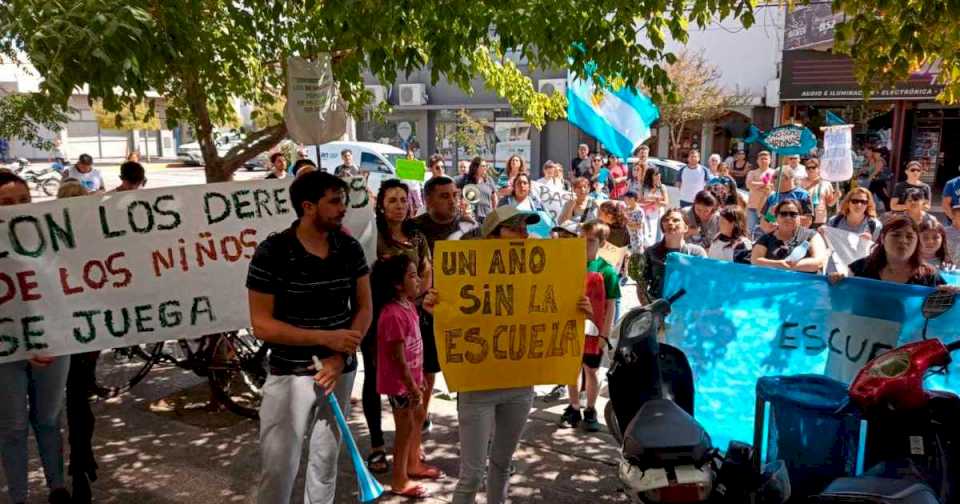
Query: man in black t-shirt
580,165
309,293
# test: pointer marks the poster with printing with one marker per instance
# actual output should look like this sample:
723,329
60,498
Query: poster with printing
738,323
314,112
836,164
124,268
552,199
507,312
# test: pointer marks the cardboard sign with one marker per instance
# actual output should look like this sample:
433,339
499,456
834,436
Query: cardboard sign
411,169
552,199
507,312
836,164
738,323
135,267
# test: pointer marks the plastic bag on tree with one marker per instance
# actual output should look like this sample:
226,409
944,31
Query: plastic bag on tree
315,113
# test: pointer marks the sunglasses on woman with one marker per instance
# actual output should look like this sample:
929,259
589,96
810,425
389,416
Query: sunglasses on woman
789,215
858,202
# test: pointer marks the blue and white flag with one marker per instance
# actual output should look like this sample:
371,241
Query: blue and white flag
620,119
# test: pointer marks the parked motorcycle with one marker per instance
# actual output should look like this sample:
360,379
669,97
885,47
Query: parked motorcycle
45,180
666,455
913,440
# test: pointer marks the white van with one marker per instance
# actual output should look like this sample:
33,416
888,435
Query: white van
376,158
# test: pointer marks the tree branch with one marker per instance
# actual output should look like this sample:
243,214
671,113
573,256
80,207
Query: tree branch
254,144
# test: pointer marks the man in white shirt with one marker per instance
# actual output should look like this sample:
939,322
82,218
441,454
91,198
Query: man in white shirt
799,171
86,174
693,178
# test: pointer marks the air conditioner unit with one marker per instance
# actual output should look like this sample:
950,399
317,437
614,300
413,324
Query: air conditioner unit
379,94
550,86
413,94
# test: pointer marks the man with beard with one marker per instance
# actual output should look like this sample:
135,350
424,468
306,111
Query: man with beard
309,294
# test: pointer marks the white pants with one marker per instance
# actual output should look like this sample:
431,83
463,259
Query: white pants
291,407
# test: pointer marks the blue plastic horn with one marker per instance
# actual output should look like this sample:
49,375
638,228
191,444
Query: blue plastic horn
370,488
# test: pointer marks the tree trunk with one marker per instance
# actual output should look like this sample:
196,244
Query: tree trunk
215,170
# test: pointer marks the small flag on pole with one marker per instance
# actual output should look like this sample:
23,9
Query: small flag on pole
619,119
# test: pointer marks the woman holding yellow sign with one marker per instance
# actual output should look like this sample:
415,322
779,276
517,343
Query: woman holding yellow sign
492,419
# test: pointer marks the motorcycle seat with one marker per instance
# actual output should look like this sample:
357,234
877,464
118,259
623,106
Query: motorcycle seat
874,490
662,434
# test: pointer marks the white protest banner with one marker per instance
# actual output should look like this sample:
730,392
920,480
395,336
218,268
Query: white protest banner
551,198
846,246
126,268
861,337
314,112
836,164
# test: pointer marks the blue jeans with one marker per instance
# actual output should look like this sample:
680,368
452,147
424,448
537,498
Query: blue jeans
35,395
753,220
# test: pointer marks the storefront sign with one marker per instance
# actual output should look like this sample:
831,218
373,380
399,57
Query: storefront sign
507,313
136,267
810,26
820,76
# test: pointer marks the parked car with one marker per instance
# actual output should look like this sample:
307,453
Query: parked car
190,154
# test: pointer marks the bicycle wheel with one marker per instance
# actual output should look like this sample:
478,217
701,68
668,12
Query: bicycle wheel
49,186
118,369
237,372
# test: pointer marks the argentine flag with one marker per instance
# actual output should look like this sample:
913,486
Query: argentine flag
619,119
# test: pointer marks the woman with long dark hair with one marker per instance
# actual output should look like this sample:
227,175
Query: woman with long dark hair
613,215
790,246
515,166
654,200
520,196
485,187
933,245
896,257
396,235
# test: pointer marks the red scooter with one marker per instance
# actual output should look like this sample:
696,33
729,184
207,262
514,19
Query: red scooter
913,437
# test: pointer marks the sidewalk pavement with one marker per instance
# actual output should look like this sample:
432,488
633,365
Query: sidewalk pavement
163,443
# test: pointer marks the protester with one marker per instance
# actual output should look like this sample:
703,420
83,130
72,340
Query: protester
133,156
877,175
786,190
654,199
858,214
302,167
443,218
435,166
132,177
581,165
396,235
602,180
798,169
485,187
278,166
740,167
713,161
309,294
396,286
32,396
636,219
619,178
492,421
693,178
933,245
553,177
612,214
463,166
71,188
702,219
899,197
917,205
822,194
520,196
731,243
896,258
722,180
790,246
953,240
346,169
84,171
759,183
596,234
674,228
637,172
951,199
515,166
582,207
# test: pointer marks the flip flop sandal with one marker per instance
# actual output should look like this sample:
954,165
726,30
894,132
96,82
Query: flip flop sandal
414,492
377,462
430,473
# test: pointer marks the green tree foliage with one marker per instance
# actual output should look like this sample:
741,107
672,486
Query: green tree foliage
202,55
889,39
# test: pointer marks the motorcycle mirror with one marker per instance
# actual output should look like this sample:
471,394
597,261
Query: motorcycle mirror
938,303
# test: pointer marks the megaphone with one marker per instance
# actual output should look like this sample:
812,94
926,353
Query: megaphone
471,193
370,489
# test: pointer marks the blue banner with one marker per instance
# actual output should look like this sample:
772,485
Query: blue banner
738,323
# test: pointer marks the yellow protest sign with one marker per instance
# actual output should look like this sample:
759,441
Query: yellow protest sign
507,312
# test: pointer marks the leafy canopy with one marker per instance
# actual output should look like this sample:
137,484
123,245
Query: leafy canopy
889,39
203,54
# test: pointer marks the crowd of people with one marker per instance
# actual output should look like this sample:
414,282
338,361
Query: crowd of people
312,294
